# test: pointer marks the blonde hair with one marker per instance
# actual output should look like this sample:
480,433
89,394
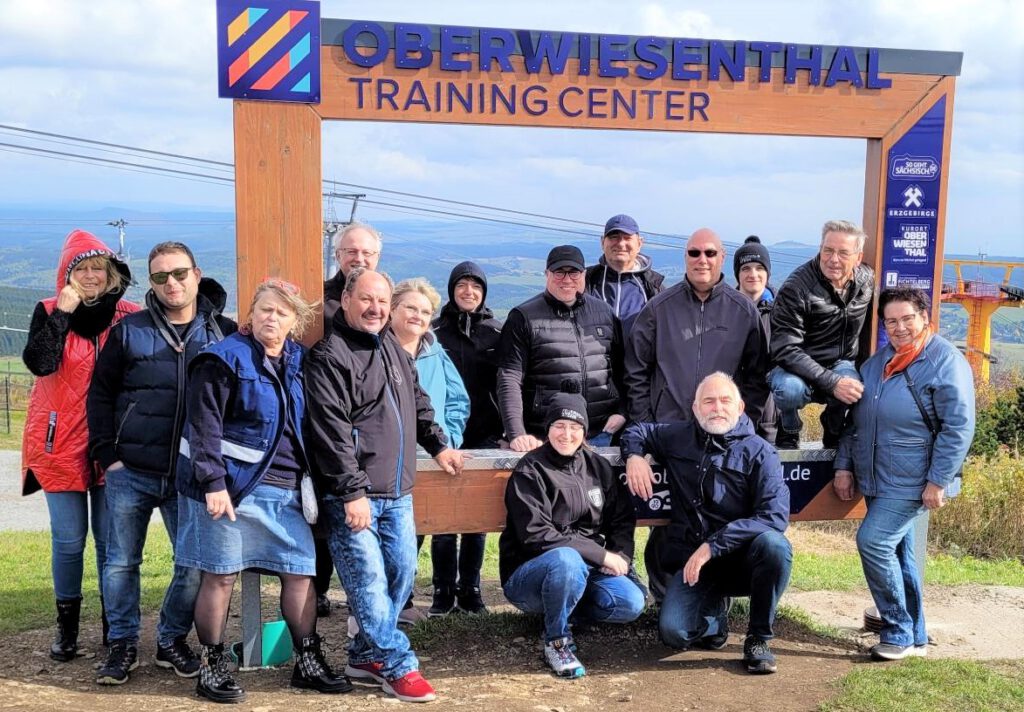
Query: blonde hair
288,293
416,284
115,280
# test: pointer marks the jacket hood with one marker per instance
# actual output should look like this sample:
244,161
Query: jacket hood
81,245
467,269
643,263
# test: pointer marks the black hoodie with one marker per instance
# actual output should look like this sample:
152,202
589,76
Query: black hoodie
471,340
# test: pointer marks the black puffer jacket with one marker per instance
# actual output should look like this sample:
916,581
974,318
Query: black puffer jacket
813,326
547,348
471,340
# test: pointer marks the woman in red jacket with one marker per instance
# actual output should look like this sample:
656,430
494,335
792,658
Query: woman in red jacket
64,340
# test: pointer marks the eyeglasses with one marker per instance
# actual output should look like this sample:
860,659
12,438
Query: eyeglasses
180,275
365,254
709,253
567,273
413,310
568,426
906,322
828,253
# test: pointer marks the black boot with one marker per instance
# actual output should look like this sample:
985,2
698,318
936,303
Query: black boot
312,672
215,682
443,602
65,645
470,600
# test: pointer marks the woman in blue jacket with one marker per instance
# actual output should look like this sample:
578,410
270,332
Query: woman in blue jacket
903,450
240,472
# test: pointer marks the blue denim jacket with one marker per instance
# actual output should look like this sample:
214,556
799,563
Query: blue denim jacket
888,446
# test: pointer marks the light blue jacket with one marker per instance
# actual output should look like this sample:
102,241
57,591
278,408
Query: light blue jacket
442,382
888,445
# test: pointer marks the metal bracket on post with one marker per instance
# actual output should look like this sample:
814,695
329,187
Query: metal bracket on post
252,621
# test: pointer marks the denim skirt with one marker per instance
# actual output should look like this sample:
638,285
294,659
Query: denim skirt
269,534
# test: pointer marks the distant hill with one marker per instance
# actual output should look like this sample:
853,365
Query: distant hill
16,306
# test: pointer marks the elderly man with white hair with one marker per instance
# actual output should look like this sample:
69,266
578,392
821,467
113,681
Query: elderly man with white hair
730,507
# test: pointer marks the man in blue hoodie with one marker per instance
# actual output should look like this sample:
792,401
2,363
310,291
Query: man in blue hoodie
623,278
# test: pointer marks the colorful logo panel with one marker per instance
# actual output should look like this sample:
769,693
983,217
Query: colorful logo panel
269,50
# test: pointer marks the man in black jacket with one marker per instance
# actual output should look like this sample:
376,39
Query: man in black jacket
730,507
357,245
136,409
366,412
623,278
561,341
752,266
816,327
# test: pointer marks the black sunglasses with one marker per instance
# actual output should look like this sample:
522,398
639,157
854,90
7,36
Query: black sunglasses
180,275
695,253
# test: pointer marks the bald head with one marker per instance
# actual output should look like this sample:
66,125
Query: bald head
704,259
717,404
366,300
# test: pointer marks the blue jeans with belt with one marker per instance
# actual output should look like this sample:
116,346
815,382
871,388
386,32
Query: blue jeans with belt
559,584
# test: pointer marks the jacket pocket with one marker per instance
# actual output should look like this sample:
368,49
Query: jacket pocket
908,461
124,419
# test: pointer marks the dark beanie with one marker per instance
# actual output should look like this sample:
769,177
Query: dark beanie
751,251
567,406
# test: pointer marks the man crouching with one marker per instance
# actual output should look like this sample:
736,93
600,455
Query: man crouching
730,507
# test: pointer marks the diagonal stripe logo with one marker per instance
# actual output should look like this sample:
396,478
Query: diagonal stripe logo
269,50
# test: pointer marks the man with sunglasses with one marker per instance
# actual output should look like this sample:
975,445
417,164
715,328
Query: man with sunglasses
816,327
560,341
136,408
357,245
686,333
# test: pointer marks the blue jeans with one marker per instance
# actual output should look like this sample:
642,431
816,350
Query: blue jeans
131,498
791,393
759,569
559,583
885,541
69,524
377,568
602,439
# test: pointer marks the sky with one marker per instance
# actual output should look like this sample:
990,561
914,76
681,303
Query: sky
144,74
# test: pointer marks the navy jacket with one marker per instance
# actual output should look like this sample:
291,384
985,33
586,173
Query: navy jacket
137,395
252,424
725,489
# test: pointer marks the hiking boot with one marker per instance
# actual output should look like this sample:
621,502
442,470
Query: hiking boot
785,440
411,616
562,659
215,682
888,651
311,671
757,656
371,672
442,604
470,600
411,687
121,660
178,656
65,644
323,605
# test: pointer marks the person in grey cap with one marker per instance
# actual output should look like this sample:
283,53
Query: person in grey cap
623,277
560,341
567,547
752,266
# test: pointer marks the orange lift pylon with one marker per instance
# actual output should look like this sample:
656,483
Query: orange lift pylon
981,300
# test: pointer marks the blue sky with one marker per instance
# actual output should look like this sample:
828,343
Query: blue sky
144,74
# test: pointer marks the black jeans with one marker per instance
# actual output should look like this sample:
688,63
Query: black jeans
454,559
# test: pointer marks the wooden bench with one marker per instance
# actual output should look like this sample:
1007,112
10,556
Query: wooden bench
474,502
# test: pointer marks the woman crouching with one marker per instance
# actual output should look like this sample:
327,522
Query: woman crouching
241,467
567,546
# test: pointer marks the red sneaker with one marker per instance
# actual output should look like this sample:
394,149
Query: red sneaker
411,687
366,672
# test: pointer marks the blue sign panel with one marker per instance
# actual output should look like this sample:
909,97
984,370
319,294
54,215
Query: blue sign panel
269,49
912,206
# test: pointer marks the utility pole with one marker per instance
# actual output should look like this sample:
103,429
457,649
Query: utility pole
122,253
332,225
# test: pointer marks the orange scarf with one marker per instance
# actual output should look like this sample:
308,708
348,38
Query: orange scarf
905,355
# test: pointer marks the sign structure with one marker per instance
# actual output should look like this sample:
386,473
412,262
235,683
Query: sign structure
268,50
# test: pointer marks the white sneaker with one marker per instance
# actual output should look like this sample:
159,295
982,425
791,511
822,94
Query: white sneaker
888,651
563,661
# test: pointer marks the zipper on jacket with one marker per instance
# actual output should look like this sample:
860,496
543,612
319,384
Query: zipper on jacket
583,358
699,505
700,335
124,419
398,417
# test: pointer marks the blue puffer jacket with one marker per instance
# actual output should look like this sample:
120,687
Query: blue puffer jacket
443,384
254,423
888,446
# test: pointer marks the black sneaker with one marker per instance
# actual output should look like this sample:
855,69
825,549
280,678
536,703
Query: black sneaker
323,605
785,440
215,682
178,656
443,602
757,656
311,671
470,600
720,639
121,660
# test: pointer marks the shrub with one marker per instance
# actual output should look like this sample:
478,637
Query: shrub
1000,416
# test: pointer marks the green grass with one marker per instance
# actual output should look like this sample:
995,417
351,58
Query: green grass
10,437
920,685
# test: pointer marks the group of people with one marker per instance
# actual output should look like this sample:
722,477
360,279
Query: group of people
261,454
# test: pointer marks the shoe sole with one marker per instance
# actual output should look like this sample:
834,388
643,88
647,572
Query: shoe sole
914,651
406,698
439,614
573,674
303,685
762,668
364,676
114,681
222,700
709,644
171,666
